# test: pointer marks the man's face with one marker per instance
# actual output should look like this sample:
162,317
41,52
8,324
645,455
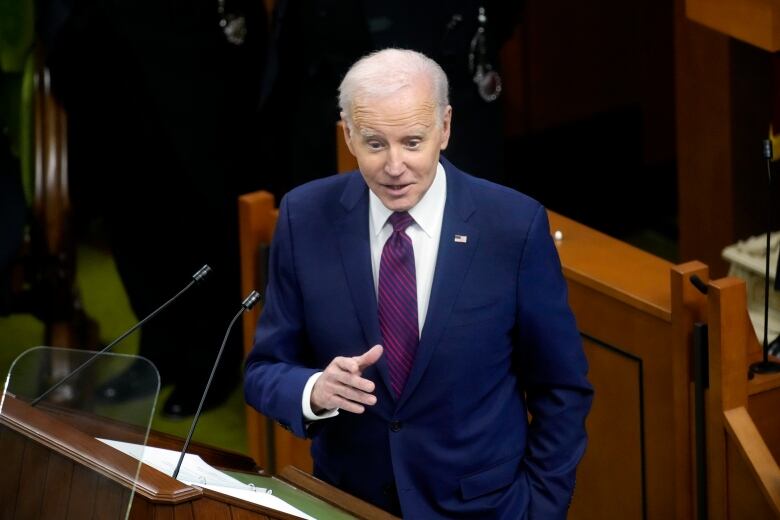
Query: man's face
396,141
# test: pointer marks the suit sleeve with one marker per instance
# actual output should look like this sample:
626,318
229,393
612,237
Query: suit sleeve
277,369
554,374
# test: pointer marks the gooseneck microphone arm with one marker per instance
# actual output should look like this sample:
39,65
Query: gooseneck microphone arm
247,304
768,157
197,278
765,365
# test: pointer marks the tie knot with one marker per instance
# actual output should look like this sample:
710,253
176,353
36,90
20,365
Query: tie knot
400,221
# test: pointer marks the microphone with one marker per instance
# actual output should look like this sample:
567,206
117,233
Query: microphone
765,366
249,302
197,278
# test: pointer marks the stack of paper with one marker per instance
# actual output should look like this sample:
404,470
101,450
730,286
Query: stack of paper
195,471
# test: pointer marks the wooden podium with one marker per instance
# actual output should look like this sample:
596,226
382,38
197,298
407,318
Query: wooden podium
56,468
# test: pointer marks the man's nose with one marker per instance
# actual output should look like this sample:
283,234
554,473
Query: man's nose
395,162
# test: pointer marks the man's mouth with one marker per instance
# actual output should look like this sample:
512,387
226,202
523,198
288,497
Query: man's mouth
396,188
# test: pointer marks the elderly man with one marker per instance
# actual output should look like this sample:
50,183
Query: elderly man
417,316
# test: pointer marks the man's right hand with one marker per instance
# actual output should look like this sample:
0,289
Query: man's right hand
341,385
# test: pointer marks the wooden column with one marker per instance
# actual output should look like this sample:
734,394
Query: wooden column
723,88
688,308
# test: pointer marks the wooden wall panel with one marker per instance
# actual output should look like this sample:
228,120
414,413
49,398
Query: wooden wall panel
33,473
183,512
56,490
763,409
141,509
206,508
163,513
12,447
237,513
745,498
648,338
82,497
110,502
615,438
754,21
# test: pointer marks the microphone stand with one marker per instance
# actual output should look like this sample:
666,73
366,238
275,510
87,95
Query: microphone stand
247,304
765,366
198,277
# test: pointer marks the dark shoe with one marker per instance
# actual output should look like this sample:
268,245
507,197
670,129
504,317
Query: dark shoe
183,401
135,382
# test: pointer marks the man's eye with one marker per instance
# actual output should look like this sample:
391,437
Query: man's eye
413,143
374,145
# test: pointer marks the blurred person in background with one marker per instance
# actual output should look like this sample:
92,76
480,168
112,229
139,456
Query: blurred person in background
162,105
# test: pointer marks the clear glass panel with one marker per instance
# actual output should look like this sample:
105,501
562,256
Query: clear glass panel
46,383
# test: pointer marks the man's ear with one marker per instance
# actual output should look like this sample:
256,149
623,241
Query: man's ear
446,125
347,132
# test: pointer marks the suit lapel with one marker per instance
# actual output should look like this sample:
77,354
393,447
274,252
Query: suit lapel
355,249
452,264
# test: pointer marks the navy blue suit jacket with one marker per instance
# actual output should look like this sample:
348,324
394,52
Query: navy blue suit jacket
499,344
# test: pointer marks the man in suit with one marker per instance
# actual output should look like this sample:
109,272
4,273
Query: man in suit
417,316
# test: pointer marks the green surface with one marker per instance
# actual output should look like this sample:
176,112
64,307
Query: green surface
106,302
295,497
17,33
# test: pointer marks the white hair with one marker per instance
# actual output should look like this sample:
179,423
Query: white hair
384,72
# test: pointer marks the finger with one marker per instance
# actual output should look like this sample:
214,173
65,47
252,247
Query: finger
356,396
349,406
333,379
347,364
332,394
369,357
340,378
355,381
341,374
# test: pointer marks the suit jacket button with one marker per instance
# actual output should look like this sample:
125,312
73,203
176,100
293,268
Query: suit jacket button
395,426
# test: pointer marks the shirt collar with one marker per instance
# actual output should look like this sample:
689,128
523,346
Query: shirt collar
424,212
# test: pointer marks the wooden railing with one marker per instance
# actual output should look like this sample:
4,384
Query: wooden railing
743,478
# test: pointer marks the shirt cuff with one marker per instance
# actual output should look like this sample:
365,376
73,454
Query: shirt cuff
308,413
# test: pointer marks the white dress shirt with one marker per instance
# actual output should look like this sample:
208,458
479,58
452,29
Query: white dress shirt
425,231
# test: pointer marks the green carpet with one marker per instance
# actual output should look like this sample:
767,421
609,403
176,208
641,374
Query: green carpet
106,302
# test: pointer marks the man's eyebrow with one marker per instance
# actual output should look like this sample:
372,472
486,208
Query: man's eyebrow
368,133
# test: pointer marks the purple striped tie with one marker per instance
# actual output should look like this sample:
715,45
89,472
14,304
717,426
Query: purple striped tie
398,302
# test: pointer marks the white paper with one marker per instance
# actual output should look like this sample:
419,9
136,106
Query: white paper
195,471
260,497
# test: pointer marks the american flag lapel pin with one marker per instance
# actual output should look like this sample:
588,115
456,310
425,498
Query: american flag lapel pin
461,239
